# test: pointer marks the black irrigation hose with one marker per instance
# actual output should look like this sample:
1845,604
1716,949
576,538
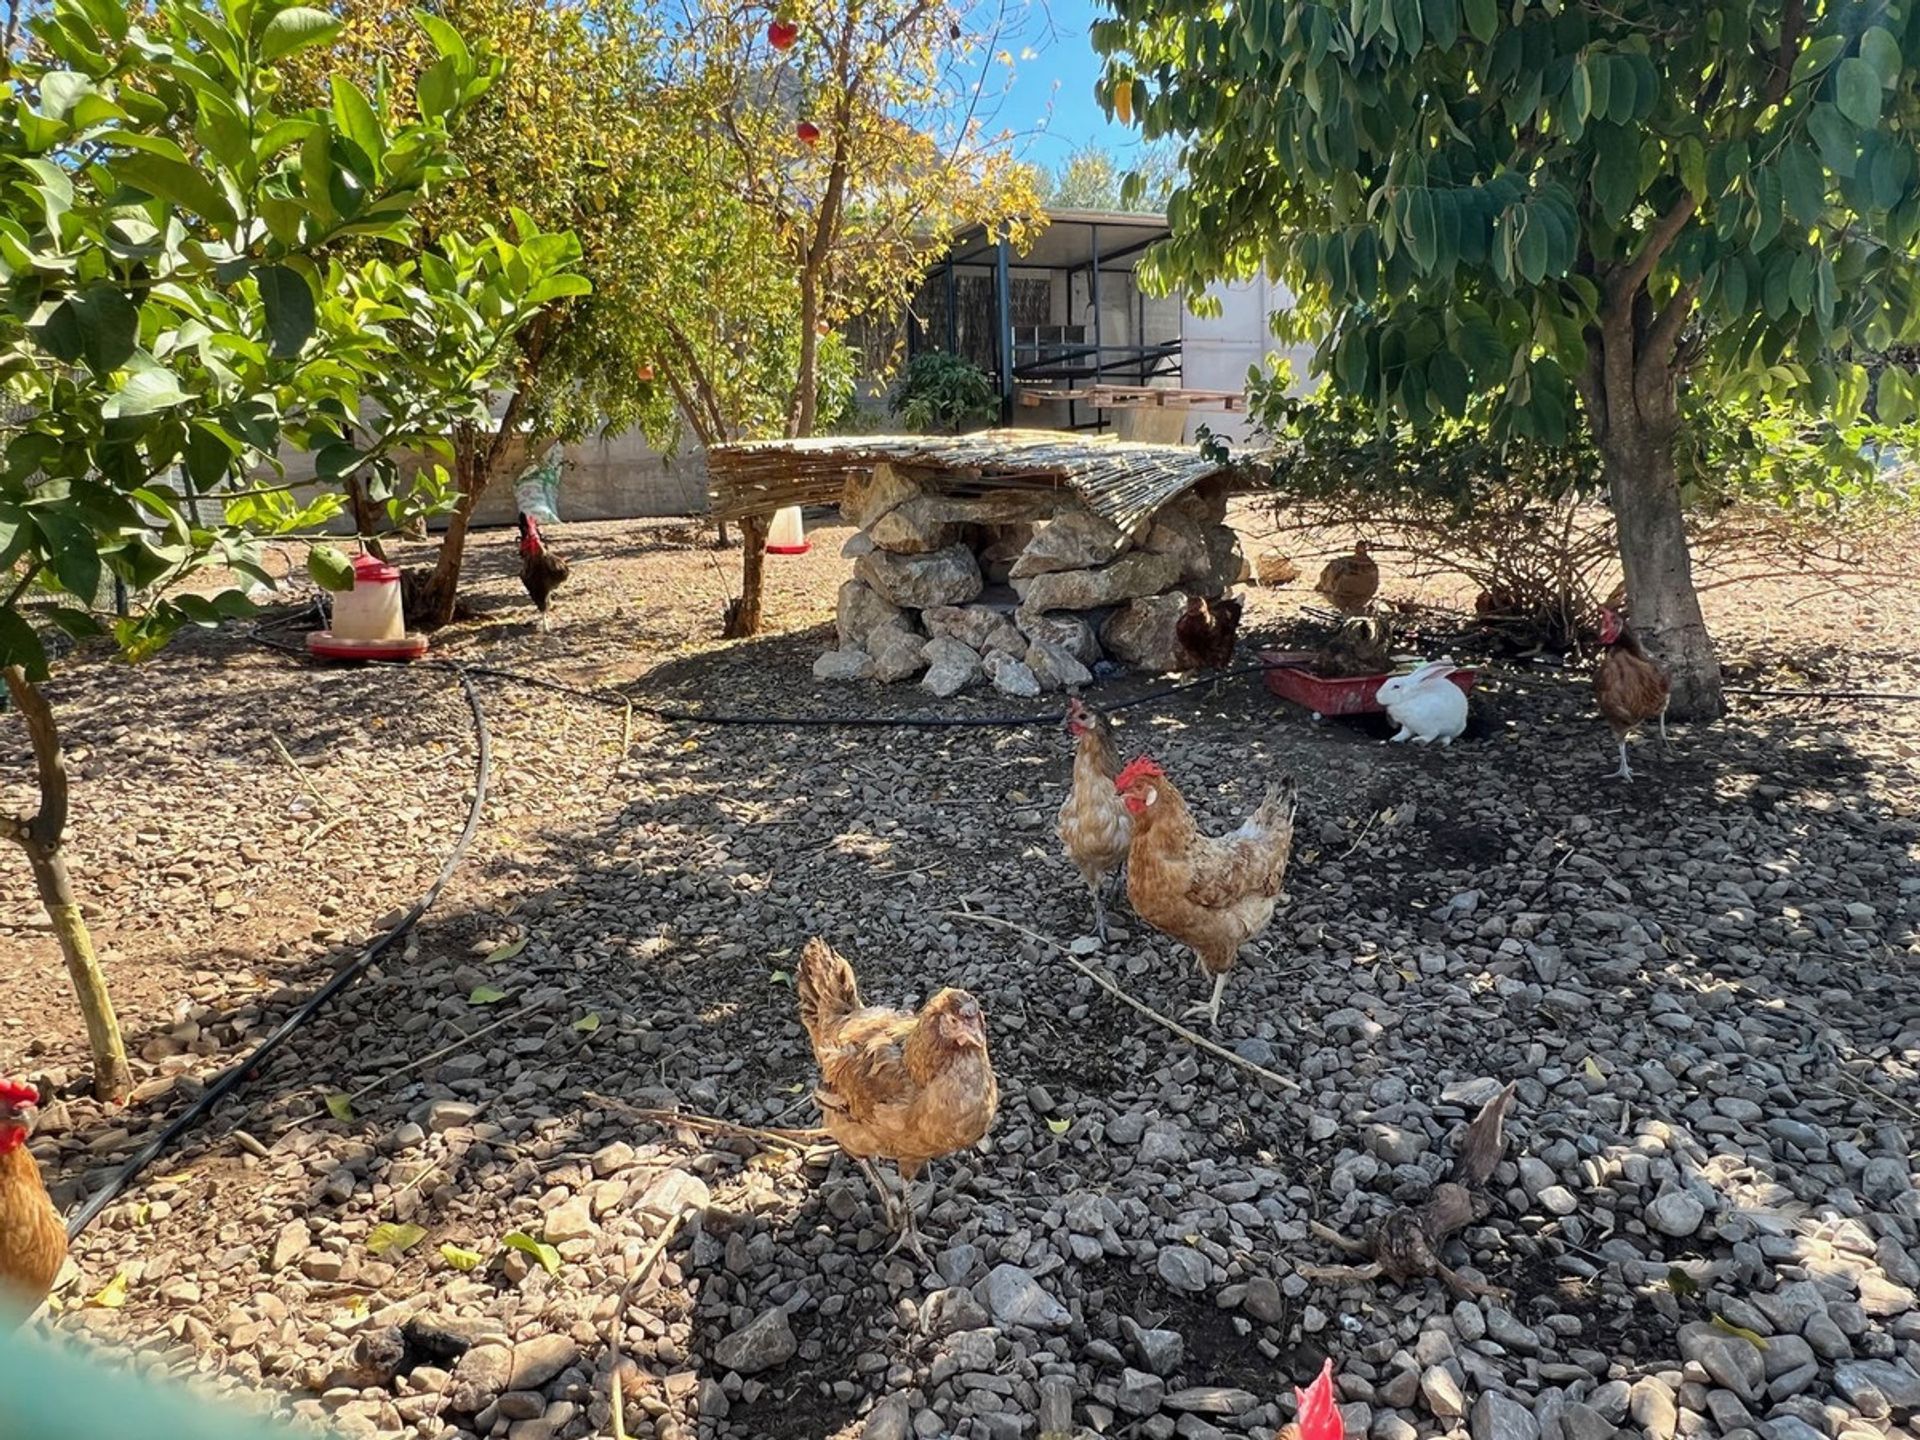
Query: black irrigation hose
231,1079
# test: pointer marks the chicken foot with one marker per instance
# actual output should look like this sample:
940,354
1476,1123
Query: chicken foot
1099,910
898,1211
1209,1008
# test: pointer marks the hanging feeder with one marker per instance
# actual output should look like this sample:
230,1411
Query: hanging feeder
788,533
368,623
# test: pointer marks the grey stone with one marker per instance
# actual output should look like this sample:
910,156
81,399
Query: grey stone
1183,540
1894,1381
1263,1302
890,1419
1827,1338
1731,1361
479,1378
290,1244
1055,667
1010,676
860,612
1015,1298
1138,1393
570,1220
1074,539
897,655
675,1193
1883,1299
1787,1352
1651,1404
951,667
919,582
538,1360
1442,1393
1142,634
1229,564
1212,1400
951,1310
1500,1417
761,1344
1183,1267
1395,1144
976,626
913,527
1130,577
1070,632
1677,1213
1159,1351
1583,1422
869,495
1161,1145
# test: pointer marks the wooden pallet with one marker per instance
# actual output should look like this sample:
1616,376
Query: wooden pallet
1137,397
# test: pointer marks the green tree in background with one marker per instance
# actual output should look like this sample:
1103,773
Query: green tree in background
1550,215
176,313
1092,179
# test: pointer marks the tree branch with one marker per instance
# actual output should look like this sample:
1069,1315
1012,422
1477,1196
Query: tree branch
1664,333
1664,232
1793,29
47,827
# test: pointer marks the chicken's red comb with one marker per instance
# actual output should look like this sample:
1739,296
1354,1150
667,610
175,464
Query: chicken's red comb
1319,1417
18,1092
1143,768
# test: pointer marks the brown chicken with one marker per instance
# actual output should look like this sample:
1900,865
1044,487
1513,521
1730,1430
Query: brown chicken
541,571
1211,894
1630,685
911,1087
33,1242
1206,632
1350,581
1094,826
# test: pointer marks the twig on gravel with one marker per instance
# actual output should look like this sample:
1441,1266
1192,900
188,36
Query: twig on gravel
642,1268
801,1140
411,1065
301,775
1105,983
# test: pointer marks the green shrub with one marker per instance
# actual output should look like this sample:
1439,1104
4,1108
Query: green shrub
942,392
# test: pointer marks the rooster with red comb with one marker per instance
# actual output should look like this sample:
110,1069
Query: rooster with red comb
1211,893
33,1242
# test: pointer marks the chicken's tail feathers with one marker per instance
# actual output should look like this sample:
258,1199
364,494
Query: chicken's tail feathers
1276,811
827,989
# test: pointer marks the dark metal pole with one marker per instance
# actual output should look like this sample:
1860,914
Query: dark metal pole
1003,283
1093,288
953,310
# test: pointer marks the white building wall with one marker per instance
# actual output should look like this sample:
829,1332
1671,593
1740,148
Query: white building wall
1216,350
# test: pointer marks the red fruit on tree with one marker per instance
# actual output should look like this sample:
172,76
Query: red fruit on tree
646,374
807,131
782,33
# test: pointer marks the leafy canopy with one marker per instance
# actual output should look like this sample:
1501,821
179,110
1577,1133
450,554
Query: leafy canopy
1466,193
176,310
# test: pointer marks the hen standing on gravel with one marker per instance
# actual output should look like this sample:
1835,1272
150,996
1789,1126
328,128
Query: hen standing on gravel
1094,827
912,1087
1630,685
33,1242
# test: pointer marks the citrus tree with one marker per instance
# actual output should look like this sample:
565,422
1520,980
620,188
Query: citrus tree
176,312
1556,215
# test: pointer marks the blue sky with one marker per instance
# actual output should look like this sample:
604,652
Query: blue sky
1050,102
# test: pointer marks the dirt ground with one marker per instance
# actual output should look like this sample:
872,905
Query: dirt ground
1704,982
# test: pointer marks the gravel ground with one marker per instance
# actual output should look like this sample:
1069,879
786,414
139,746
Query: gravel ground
1702,985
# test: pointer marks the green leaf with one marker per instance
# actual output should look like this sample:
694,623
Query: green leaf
486,995
394,1239
1447,382
587,1024
72,553
507,951
1892,399
461,1260
142,393
548,1257
357,122
19,645
1880,50
340,1107
77,623
1839,144
173,181
288,301
61,90
98,326
112,1295
1856,91
1802,182
295,28
1758,1341
1059,1127
329,569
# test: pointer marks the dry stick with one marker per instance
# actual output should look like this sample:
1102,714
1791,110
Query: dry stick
301,775
441,1053
640,1272
1192,1037
791,1139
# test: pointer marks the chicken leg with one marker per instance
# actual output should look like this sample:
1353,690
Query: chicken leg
898,1212
1099,911
1210,1008
1625,772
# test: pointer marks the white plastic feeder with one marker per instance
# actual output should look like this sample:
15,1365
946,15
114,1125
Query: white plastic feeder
788,533
371,609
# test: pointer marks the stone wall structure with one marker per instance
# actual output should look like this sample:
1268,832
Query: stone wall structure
1026,590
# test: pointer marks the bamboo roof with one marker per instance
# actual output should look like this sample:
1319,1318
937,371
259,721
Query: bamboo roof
1121,480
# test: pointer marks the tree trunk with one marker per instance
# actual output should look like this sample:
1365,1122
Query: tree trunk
476,464
743,615
43,837
1630,395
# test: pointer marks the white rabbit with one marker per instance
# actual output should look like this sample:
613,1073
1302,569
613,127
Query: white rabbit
1426,704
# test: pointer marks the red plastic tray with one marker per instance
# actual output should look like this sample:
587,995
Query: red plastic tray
1288,677
325,645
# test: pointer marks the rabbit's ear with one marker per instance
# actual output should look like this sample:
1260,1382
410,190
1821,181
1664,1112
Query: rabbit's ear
1431,671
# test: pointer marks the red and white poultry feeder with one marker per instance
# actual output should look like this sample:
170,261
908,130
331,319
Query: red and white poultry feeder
788,533
368,622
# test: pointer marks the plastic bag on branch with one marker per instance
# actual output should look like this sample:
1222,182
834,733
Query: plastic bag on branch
537,491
